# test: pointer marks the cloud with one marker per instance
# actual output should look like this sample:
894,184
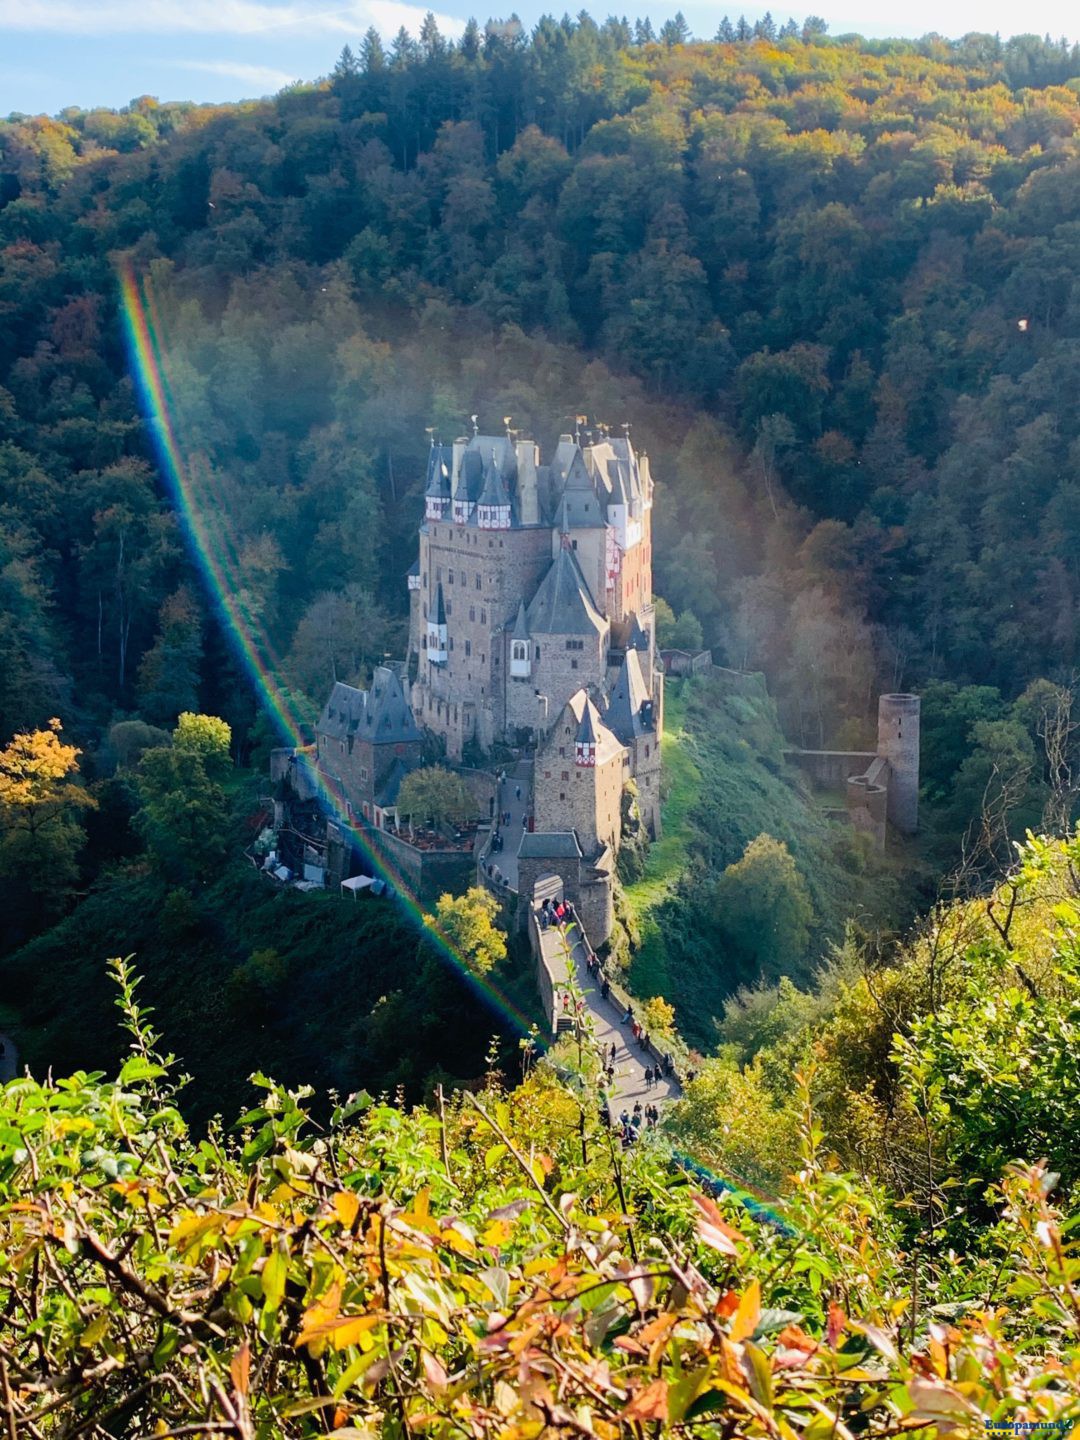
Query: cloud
390,15
171,17
264,77
214,17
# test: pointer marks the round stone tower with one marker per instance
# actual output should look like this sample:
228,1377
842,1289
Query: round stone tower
898,743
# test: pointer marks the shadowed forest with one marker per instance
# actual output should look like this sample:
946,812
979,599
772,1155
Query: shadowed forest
831,284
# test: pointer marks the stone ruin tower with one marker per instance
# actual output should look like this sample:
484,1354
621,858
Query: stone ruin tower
898,743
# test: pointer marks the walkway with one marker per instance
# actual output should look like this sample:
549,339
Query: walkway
518,778
630,1060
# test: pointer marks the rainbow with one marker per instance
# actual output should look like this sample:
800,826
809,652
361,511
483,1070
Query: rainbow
204,519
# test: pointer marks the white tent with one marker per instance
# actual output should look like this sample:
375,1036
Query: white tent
357,883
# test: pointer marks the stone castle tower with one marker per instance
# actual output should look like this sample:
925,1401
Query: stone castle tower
898,743
534,582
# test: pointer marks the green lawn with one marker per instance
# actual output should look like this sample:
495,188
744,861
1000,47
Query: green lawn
681,777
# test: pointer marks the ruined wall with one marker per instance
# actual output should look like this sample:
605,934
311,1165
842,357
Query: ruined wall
830,769
898,743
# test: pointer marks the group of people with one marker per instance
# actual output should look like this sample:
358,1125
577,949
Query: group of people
596,970
552,912
632,1122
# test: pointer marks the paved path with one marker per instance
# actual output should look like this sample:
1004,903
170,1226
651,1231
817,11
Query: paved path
630,1060
518,778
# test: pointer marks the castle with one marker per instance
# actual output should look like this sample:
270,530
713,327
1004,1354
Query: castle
531,635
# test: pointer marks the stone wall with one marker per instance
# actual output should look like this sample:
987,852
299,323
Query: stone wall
557,672
428,873
483,573
830,769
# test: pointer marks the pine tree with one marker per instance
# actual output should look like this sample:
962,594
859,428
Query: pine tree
725,35
431,42
347,65
675,31
789,30
643,32
372,54
470,41
403,50
743,33
765,29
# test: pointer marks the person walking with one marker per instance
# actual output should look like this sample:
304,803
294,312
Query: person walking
628,1017
605,987
648,1077
517,792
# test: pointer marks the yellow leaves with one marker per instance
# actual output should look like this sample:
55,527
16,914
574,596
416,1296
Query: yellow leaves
323,1324
346,1208
747,1314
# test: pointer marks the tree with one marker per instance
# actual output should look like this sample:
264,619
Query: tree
762,907
675,31
468,923
725,34
436,795
664,619
205,736
372,54
128,739
183,814
40,835
686,632
169,672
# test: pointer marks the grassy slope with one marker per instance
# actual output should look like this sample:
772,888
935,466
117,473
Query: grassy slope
726,783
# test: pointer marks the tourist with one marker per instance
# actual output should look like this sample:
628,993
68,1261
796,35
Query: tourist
517,792
614,1051
628,1017
605,989
648,1077
635,1030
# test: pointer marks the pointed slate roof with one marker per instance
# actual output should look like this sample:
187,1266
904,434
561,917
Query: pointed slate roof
440,459
580,712
494,491
440,607
562,605
521,628
381,714
628,694
586,734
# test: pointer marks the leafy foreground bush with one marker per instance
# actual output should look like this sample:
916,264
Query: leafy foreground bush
497,1268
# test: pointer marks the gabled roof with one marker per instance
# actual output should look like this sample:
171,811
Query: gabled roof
562,605
380,714
580,712
628,694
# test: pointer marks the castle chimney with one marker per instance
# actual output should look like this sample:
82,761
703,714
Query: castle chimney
528,493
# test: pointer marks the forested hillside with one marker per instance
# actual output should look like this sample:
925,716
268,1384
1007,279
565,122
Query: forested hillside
848,268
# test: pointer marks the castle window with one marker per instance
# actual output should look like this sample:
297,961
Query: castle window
573,664
350,744
449,609
646,752
479,582
483,659
538,652
483,617
520,650
451,642
464,581
425,579
425,609
468,651
566,774
562,794
547,774
472,612
562,750
450,577
496,659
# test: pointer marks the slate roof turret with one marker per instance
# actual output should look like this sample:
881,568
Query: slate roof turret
624,714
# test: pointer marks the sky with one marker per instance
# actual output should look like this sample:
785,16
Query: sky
55,53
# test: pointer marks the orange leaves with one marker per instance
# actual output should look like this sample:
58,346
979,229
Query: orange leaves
713,1230
649,1403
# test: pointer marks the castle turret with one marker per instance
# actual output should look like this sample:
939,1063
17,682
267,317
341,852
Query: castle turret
437,492
898,743
436,630
493,508
585,744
